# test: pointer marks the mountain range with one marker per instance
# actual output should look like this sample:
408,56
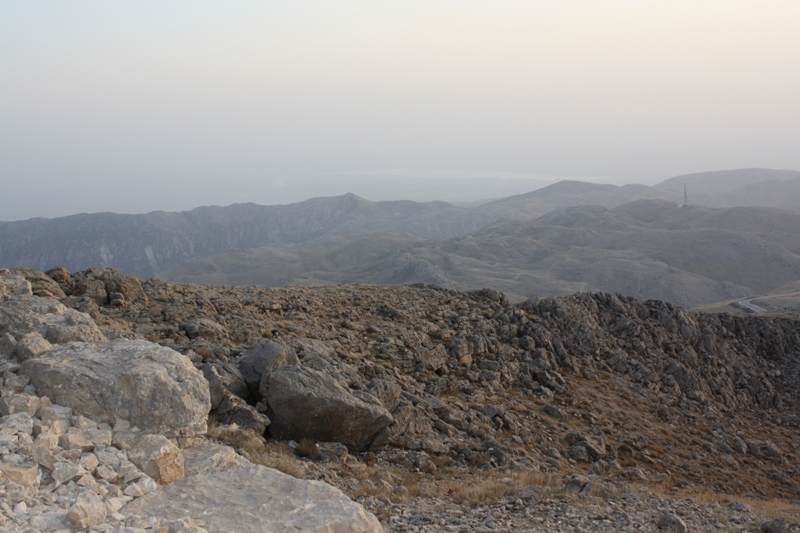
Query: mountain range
555,240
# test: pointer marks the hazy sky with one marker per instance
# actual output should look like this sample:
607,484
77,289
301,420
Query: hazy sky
136,106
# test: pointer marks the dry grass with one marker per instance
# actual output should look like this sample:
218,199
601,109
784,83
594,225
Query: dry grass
307,448
484,491
772,508
472,490
272,454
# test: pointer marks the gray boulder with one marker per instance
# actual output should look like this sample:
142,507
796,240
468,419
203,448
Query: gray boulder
155,388
256,499
204,328
47,317
265,357
227,406
157,457
306,403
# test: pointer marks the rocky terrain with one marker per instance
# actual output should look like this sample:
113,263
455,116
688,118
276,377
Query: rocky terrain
434,409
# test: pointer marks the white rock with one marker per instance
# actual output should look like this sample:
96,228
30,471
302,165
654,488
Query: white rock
30,345
88,510
255,499
27,475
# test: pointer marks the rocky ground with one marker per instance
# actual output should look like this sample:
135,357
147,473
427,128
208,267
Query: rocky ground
455,411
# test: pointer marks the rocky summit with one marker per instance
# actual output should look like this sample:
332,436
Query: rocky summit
132,405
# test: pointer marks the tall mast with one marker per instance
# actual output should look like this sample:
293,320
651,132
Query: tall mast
685,196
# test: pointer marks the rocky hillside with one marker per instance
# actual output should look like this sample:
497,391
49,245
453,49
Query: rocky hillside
646,249
414,398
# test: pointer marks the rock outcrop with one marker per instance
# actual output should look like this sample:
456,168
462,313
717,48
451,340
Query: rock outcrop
49,318
71,458
256,499
155,388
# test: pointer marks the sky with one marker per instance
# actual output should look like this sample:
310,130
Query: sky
147,105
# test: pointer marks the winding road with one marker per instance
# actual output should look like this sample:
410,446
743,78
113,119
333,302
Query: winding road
748,303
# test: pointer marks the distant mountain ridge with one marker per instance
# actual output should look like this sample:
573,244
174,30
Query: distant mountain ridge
562,238
648,249
147,244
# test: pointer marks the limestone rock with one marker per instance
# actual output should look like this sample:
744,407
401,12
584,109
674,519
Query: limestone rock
256,499
227,406
88,510
211,457
224,378
51,319
204,328
18,403
158,457
61,276
234,410
305,403
41,283
8,344
30,345
153,387
27,475
777,525
98,284
265,357
11,286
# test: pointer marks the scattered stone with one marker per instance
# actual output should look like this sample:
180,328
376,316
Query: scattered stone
777,525
87,511
157,457
672,523
30,345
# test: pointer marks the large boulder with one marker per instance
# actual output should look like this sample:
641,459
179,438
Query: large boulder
265,357
52,320
204,328
256,499
155,388
306,403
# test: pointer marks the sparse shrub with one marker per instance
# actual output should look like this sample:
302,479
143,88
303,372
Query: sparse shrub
272,454
307,448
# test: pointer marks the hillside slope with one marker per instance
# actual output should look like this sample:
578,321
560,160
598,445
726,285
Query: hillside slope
645,249
594,394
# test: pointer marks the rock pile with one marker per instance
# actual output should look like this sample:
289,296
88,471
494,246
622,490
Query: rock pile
110,436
